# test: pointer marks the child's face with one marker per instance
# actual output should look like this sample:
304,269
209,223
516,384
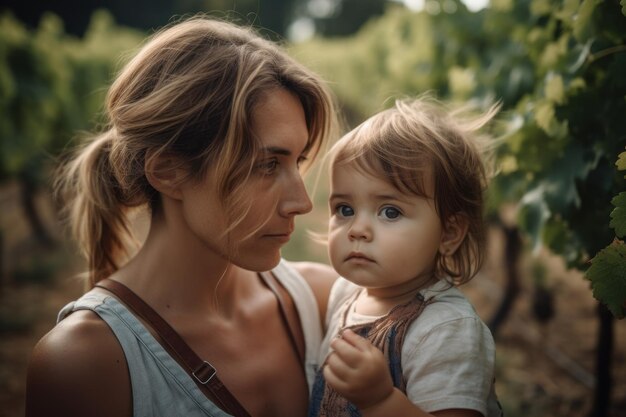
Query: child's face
380,238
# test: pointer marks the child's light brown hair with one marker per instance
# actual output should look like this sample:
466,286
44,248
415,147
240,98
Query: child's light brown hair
420,136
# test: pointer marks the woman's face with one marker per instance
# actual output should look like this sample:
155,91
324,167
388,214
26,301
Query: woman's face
275,191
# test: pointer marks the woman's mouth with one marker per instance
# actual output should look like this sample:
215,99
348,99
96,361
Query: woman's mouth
279,237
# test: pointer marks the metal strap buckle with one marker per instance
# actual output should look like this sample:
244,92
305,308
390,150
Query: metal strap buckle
204,373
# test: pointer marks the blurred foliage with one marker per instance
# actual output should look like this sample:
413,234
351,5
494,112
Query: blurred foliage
39,269
51,85
333,18
557,66
147,15
611,261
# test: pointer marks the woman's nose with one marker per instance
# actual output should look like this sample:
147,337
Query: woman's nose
296,199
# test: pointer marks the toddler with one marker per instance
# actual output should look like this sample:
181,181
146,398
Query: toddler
406,228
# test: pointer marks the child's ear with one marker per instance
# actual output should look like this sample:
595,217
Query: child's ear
454,232
164,173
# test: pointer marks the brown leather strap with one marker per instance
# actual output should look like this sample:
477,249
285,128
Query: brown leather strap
288,313
201,371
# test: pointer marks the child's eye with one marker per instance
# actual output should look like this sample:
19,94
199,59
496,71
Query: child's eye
390,213
344,210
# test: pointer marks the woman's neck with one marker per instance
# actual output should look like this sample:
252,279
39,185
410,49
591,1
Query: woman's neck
177,272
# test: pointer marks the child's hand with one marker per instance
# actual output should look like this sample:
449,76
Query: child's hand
358,370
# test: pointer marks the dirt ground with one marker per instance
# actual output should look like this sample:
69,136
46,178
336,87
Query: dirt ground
547,369
543,370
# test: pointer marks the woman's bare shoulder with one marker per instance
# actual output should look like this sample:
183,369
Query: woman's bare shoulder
78,368
315,270
320,278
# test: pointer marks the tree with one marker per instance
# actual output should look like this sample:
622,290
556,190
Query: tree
148,15
51,86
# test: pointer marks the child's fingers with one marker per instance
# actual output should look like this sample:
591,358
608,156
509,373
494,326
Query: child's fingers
345,351
335,377
358,380
336,365
355,340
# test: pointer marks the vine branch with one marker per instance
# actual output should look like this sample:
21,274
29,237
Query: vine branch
606,52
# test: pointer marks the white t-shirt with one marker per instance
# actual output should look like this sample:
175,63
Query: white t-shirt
448,353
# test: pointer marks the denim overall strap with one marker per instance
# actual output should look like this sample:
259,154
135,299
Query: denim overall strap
387,334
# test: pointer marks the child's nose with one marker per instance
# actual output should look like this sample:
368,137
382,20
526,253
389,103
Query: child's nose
360,229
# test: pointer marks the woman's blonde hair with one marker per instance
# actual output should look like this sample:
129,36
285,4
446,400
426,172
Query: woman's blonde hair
189,92
418,140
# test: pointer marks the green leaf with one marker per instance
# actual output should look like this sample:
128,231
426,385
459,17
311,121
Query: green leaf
554,90
623,3
582,23
607,274
533,214
559,238
551,54
544,115
560,179
547,121
621,159
540,7
618,215
569,9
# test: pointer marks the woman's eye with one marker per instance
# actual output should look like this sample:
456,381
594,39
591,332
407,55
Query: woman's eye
344,211
390,213
301,160
267,167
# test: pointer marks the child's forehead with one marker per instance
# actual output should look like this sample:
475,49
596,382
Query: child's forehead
358,167
351,179
409,183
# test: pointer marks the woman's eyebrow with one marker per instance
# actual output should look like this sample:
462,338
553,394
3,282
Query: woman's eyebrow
276,150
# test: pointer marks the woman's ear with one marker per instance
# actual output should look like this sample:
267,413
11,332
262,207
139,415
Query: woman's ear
454,232
164,173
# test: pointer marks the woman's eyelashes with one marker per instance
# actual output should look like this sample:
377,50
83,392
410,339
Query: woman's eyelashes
267,167
270,166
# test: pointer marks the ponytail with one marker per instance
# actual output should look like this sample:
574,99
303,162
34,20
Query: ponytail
93,202
189,92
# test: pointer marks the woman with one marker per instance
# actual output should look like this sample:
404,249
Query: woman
209,127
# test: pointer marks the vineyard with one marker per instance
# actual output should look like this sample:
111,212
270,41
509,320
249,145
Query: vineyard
554,288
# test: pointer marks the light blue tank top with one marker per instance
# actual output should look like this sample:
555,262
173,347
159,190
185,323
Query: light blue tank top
160,386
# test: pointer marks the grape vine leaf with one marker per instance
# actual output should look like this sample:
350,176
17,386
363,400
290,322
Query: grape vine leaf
582,27
556,193
554,90
607,274
621,159
533,214
560,179
618,215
